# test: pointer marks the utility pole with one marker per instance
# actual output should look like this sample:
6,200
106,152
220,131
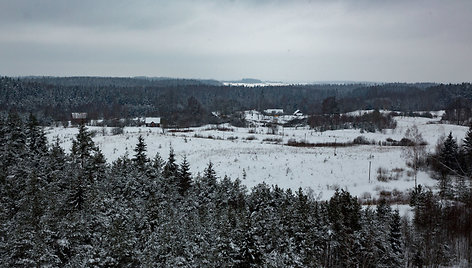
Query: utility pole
334,147
370,165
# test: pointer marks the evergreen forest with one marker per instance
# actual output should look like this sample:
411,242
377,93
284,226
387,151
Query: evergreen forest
186,103
73,209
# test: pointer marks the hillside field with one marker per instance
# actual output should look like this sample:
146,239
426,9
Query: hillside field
264,157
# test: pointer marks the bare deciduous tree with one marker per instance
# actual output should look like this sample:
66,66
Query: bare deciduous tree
416,151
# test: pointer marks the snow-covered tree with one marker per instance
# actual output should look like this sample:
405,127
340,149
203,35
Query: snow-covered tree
170,168
467,149
83,146
140,158
448,155
184,176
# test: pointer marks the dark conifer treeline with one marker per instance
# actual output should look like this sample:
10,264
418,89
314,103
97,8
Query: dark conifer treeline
73,209
368,122
189,102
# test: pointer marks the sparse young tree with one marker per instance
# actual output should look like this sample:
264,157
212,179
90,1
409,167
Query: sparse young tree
416,152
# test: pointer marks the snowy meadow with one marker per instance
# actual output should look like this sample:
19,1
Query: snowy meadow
255,156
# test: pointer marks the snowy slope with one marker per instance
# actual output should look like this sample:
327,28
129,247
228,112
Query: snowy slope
232,153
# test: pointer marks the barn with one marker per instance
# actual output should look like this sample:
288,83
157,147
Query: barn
79,118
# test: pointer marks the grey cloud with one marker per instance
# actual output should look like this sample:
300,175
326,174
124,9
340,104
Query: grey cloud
90,13
226,39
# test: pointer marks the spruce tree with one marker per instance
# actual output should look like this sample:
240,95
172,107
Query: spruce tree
383,211
15,140
171,168
344,215
56,151
468,140
396,240
37,146
448,155
184,177
250,254
467,149
140,158
83,146
85,160
3,148
36,139
448,164
209,172
158,163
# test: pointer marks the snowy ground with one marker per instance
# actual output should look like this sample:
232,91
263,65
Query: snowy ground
319,169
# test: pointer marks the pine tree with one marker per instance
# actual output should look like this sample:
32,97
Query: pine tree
140,158
37,148
344,215
396,240
250,253
171,168
57,152
462,189
184,177
3,149
15,165
468,140
83,146
158,163
448,155
448,165
15,140
98,168
383,211
467,149
371,245
36,139
209,172
86,156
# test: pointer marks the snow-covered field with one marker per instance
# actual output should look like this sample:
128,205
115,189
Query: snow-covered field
264,157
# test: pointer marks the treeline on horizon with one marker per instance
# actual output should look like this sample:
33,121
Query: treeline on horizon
184,102
73,209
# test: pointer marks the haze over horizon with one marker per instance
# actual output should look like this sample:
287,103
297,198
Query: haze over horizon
271,40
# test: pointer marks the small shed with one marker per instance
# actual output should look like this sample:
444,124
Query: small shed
152,121
297,113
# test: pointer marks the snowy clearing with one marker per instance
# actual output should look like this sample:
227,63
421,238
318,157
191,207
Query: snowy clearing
264,157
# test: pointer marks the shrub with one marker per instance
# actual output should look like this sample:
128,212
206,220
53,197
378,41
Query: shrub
117,131
276,140
250,138
361,140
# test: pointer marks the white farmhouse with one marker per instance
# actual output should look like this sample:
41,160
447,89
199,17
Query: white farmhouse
152,121
274,111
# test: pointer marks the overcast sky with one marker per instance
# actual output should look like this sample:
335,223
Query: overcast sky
318,40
